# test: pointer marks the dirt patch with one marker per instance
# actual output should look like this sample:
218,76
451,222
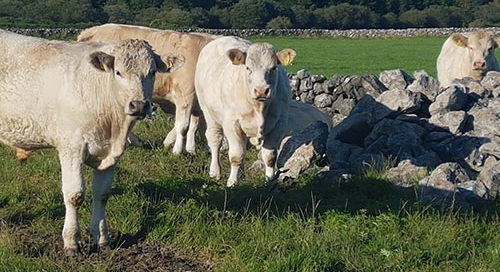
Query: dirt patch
126,253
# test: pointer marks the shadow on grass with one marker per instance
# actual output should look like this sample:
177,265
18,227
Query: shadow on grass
312,196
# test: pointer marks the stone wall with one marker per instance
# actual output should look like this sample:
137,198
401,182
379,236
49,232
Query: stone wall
412,122
350,33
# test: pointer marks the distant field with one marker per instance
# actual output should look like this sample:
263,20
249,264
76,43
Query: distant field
362,56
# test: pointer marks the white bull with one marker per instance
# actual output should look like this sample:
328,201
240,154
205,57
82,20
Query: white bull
467,56
82,99
243,92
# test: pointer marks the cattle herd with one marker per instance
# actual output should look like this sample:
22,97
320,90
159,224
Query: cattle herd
83,98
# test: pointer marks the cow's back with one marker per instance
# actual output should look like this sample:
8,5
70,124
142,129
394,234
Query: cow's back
162,41
219,83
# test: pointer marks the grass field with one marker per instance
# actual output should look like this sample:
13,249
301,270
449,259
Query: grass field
362,224
362,56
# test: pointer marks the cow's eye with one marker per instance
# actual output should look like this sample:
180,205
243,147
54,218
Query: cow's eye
118,73
248,69
273,68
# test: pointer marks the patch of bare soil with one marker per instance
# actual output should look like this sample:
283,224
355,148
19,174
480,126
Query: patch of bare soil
126,253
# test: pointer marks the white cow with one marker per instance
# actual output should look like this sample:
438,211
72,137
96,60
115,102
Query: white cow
176,88
243,92
82,99
467,56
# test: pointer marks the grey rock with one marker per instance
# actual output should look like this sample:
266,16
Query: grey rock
406,171
372,85
454,121
343,106
457,149
318,88
389,127
338,153
486,120
425,85
473,190
491,148
452,98
395,79
318,78
491,81
400,100
301,149
303,73
490,176
294,83
437,136
323,100
305,85
445,178
337,118
307,97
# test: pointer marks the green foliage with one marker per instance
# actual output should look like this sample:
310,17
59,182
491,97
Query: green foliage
252,14
279,22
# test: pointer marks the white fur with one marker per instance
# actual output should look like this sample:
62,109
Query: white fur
51,96
225,94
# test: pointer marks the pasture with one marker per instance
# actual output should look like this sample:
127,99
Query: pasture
165,213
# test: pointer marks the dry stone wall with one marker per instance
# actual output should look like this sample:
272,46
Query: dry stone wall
331,33
411,121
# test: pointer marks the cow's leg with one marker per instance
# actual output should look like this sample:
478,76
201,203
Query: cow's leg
118,143
101,190
237,143
190,141
73,188
269,158
182,118
214,140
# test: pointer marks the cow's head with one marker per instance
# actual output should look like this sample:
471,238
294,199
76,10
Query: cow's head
481,45
133,66
262,67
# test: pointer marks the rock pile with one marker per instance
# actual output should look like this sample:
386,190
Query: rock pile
415,124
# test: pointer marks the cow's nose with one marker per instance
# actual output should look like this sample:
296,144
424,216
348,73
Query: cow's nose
262,92
479,64
139,107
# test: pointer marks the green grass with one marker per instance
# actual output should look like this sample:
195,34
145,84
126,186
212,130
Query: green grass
362,224
327,56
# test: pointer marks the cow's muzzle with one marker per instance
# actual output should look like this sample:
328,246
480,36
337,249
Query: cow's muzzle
261,93
140,108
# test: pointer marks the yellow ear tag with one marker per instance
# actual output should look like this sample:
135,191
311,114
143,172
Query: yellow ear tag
287,59
460,43
236,61
170,64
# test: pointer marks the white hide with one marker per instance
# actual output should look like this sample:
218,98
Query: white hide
77,98
232,95
461,54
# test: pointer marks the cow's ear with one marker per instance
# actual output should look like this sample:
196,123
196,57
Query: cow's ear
169,62
459,39
286,56
236,56
497,42
102,61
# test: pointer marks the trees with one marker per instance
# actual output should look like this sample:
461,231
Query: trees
252,13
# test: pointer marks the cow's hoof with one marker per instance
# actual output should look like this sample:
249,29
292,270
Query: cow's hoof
214,175
106,163
191,151
71,252
230,183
